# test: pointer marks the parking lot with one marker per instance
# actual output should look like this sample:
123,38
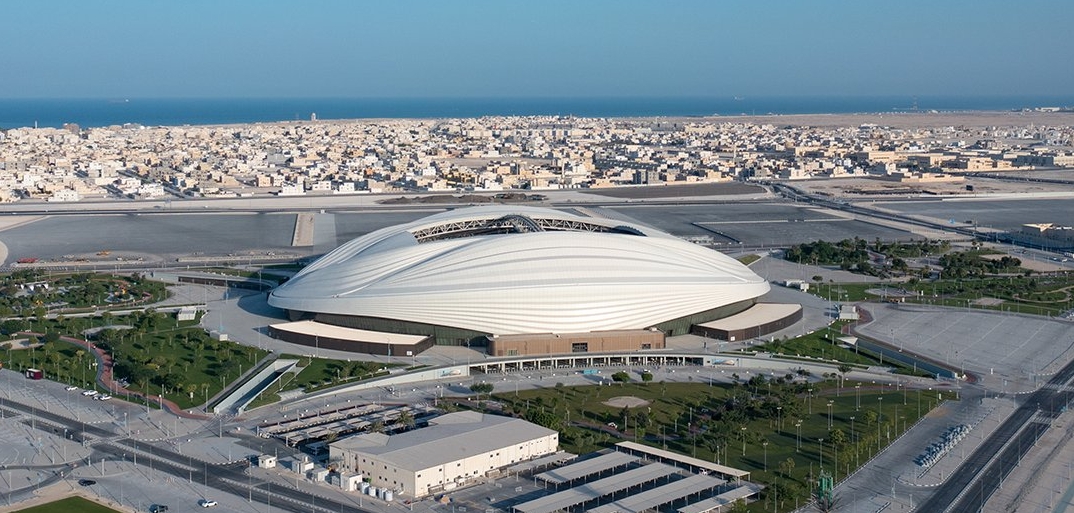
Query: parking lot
1007,352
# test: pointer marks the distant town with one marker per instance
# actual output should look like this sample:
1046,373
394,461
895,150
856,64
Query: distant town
314,157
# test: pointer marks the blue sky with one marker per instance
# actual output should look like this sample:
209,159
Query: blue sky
504,48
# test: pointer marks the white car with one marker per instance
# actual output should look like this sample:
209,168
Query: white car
88,393
206,503
70,388
103,397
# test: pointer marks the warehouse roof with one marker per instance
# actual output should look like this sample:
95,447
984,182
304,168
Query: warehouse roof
448,438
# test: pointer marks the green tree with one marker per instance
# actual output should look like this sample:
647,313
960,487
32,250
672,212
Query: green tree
642,419
739,506
839,438
871,417
12,326
407,419
786,467
481,388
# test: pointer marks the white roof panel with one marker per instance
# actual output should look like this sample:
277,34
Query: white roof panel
655,497
596,489
587,467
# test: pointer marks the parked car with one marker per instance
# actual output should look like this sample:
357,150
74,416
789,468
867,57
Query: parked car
158,508
206,503
86,482
70,388
88,393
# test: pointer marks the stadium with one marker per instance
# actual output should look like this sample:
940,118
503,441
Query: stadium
519,280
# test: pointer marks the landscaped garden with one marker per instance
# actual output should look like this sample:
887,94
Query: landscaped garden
782,429
152,352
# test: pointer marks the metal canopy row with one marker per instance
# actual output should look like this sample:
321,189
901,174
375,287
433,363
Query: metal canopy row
661,495
558,458
597,489
673,458
720,500
587,468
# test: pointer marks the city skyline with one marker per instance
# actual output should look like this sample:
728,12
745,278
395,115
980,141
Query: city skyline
124,49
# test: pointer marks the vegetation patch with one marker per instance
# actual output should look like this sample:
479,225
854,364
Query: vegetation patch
749,259
69,505
777,427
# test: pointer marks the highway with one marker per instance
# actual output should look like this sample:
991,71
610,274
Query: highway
983,472
229,478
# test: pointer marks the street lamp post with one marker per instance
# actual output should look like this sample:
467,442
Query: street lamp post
743,441
779,418
798,443
854,443
810,401
765,445
857,398
879,415
829,415
821,441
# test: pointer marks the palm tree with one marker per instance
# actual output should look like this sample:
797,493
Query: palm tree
406,419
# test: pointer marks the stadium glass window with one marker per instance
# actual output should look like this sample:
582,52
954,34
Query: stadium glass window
580,347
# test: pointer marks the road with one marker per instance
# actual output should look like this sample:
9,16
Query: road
984,471
229,478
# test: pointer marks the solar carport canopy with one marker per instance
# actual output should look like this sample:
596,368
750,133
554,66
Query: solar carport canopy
587,468
597,489
720,500
677,459
661,495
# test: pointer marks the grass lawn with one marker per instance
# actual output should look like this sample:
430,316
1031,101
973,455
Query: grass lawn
748,259
318,374
69,505
777,431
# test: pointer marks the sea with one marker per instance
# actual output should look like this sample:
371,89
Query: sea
97,112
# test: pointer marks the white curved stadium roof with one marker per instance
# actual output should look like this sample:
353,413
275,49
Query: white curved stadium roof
512,270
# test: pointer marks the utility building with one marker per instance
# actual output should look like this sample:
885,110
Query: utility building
452,451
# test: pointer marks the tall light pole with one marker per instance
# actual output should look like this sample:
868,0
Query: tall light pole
829,415
779,418
743,440
810,401
857,399
879,414
821,441
854,441
765,445
798,443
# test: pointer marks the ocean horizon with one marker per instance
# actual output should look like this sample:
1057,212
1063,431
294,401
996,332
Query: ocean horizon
98,112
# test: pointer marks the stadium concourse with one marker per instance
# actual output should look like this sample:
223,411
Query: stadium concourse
520,281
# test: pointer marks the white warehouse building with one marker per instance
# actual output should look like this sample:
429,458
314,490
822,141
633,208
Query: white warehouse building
452,451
